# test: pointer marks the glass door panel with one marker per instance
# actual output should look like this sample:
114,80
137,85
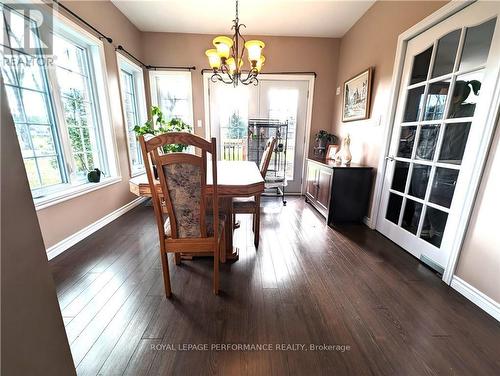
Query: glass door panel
430,139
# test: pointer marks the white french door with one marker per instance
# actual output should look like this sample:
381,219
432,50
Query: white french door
278,99
286,100
447,87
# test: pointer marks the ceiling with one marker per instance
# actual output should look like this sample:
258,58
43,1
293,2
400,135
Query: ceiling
312,18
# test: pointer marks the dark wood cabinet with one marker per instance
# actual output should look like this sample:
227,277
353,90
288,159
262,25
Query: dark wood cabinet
339,193
318,186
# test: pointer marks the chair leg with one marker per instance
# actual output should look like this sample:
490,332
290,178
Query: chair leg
177,258
216,268
256,230
222,247
166,274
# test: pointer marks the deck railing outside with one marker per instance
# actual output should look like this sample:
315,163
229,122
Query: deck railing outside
234,150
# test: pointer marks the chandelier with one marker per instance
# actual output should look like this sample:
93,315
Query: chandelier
226,59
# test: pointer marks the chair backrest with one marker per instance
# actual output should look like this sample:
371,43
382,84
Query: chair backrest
266,156
183,183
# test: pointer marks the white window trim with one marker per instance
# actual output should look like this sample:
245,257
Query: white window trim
73,192
64,26
154,91
136,70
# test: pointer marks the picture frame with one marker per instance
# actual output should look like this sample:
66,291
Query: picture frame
332,151
356,96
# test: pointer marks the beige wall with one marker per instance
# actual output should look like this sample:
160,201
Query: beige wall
371,42
62,220
479,262
28,293
283,54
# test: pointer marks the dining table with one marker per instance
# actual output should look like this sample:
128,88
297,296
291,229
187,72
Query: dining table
234,179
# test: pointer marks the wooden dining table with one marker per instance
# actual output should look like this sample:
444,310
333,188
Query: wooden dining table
234,179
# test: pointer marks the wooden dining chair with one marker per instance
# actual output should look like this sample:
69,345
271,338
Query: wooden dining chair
189,226
251,205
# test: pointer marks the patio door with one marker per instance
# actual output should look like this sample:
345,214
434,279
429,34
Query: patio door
279,99
447,89
286,100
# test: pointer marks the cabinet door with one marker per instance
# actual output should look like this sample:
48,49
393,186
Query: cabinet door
311,182
324,186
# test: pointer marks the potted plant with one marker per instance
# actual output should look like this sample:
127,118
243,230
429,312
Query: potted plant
323,139
158,125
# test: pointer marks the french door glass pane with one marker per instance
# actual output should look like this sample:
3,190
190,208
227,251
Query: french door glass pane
394,207
414,104
406,141
465,95
419,179
433,226
477,45
411,216
446,53
454,142
400,175
443,186
283,105
427,142
436,100
421,66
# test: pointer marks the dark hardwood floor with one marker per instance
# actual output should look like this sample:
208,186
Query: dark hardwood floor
306,284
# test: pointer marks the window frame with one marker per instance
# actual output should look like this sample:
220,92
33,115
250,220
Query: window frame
155,93
99,91
137,74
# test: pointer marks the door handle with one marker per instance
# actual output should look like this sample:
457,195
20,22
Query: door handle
390,158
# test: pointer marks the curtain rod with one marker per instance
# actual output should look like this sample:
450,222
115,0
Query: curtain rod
83,21
208,70
150,67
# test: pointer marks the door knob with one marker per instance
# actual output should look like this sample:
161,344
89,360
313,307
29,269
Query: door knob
390,158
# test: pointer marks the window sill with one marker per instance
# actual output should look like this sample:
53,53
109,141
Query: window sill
73,192
137,173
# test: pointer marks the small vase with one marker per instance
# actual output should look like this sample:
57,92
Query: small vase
346,152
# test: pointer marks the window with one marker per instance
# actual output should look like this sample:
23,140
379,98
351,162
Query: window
171,91
58,107
134,108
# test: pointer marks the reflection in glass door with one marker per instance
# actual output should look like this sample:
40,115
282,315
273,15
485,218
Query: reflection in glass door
441,87
230,109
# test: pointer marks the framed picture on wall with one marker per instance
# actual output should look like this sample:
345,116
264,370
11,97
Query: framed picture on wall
356,97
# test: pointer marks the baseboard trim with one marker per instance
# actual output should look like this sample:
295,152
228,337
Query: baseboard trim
477,297
71,240
368,221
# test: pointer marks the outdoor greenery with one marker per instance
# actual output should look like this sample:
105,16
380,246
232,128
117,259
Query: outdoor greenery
77,124
159,125
237,127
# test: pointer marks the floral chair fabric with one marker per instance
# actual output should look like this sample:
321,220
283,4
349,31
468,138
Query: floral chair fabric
184,187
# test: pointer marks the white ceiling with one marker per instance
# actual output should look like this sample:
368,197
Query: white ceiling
327,18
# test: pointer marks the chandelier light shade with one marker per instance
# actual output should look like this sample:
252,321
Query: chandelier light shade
213,58
227,52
